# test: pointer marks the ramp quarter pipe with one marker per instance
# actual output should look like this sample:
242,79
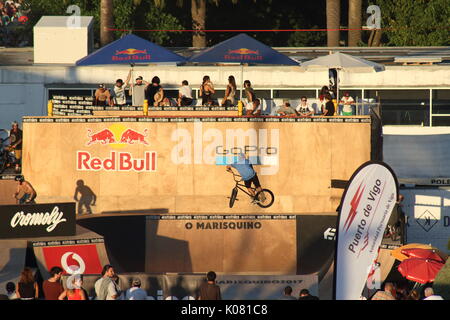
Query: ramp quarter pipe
178,164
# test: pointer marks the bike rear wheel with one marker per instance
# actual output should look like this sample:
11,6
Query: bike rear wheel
265,198
3,161
233,197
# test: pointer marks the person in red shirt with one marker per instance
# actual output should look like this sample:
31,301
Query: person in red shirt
52,287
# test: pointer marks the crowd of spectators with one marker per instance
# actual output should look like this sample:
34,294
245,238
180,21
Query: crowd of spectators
13,17
401,291
153,92
109,287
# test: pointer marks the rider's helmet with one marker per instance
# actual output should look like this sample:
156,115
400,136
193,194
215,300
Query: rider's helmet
19,178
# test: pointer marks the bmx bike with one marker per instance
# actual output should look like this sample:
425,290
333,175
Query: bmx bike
7,157
263,198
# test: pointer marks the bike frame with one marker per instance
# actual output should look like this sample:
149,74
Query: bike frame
241,186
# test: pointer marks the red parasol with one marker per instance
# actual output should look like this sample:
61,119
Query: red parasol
420,270
422,253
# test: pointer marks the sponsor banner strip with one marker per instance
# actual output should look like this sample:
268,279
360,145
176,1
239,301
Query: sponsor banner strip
221,217
193,119
54,243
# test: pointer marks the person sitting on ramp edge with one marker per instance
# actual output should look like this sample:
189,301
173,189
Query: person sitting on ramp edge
29,194
248,174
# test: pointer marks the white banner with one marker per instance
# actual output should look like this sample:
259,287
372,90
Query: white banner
365,208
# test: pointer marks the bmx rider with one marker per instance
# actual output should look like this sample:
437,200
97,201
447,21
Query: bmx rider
248,174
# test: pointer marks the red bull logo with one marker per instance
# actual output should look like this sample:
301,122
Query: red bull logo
117,136
243,54
106,136
130,51
131,54
243,51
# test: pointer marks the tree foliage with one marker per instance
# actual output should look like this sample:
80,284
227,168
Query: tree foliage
128,15
415,23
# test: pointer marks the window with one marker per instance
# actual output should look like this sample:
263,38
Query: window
403,107
293,94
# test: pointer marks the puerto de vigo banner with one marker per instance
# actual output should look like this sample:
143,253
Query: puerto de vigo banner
365,208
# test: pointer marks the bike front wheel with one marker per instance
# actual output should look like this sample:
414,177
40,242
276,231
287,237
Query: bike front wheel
233,197
265,198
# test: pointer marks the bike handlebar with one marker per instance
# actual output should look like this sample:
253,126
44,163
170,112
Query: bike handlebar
239,179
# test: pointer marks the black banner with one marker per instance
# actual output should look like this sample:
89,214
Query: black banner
39,220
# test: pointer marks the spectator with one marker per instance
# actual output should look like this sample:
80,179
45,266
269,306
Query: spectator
304,109
102,96
15,140
429,295
137,91
154,93
185,94
228,99
52,287
11,291
322,101
207,91
347,101
249,93
387,294
413,295
256,108
209,290
27,288
305,295
287,294
74,289
160,99
329,106
135,292
120,97
286,110
105,287
29,194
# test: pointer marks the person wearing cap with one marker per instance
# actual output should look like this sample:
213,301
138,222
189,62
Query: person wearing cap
15,143
347,102
120,98
29,194
137,91
102,96
135,292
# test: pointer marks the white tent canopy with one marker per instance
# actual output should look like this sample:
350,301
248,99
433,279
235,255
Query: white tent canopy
342,61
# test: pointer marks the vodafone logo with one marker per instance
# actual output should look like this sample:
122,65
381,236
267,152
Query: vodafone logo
72,263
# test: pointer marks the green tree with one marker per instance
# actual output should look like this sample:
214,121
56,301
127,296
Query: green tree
415,23
128,15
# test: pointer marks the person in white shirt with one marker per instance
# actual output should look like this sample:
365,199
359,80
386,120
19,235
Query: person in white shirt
347,102
135,292
429,295
185,94
120,98
304,109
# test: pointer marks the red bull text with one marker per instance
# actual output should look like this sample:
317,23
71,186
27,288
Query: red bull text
131,54
243,54
117,161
